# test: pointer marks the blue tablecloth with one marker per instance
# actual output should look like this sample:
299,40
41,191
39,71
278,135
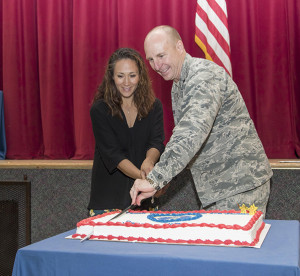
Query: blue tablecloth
2,129
279,255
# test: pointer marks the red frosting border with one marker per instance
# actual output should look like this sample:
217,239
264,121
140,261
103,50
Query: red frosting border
160,240
247,227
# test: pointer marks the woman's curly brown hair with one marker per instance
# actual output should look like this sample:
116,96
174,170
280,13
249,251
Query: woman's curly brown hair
143,96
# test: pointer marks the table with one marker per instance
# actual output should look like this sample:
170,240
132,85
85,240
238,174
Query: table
279,255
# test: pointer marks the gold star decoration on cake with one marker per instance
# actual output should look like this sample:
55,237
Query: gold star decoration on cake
251,209
243,208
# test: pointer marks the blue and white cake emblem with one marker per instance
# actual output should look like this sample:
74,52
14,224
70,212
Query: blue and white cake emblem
177,217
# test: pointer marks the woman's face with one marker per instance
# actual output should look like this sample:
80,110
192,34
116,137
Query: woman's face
126,77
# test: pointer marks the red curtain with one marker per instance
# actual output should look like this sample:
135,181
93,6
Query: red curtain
54,54
264,47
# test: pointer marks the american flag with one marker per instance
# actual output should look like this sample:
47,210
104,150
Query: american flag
212,34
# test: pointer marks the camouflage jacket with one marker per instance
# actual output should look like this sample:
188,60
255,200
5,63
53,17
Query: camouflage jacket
213,136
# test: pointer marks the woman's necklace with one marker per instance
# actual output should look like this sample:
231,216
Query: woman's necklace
128,110
130,114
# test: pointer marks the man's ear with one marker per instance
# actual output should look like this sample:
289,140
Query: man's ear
180,46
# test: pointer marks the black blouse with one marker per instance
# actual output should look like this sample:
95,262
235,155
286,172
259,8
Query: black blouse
115,141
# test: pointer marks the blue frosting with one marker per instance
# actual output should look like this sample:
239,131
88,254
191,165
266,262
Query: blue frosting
167,218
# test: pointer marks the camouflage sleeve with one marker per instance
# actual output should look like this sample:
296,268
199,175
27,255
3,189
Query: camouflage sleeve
199,108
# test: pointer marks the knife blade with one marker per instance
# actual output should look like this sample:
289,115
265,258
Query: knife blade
132,206
87,237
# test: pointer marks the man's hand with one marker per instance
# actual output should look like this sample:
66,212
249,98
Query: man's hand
140,190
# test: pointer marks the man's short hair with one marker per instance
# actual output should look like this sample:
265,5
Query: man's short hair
172,32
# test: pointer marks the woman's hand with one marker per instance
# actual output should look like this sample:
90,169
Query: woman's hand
146,167
151,158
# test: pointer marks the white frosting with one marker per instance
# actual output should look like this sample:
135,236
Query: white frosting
192,232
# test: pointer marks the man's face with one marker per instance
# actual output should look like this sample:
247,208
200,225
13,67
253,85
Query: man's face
163,56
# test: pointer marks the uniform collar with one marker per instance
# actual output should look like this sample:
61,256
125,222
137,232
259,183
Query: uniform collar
184,71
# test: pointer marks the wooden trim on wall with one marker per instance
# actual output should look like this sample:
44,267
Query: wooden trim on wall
87,164
285,163
46,164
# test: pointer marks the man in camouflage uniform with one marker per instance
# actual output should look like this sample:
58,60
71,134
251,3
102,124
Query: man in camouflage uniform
214,135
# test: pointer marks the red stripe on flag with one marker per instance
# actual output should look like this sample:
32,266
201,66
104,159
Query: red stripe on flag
219,12
214,31
210,50
215,26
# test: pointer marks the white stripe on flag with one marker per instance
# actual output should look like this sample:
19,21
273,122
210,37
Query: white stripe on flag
215,47
222,4
211,40
214,19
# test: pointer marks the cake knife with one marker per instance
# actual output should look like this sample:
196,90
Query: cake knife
87,237
132,206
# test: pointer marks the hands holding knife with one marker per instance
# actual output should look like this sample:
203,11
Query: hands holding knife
140,190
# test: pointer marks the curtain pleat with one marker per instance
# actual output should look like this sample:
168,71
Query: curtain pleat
55,64
95,37
262,52
21,85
